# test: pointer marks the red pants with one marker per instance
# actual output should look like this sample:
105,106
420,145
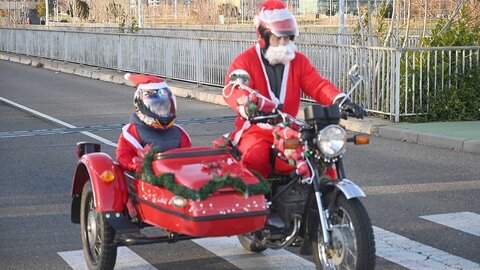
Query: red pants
256,146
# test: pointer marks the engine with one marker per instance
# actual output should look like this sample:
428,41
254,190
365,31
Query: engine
290,203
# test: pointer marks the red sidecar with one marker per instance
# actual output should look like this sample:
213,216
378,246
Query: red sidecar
113,205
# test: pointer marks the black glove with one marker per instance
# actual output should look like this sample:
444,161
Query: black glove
352,108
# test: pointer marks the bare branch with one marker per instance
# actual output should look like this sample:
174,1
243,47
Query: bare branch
405,38
460,4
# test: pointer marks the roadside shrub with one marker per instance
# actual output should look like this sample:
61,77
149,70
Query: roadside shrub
446,85
460,102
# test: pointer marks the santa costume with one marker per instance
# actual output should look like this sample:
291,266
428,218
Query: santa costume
152,123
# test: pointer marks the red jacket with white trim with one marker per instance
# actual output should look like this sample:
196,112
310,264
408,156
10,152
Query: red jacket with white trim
130,145
299,75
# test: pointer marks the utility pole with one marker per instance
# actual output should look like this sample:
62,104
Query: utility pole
140,17
175,8
46,12
341,20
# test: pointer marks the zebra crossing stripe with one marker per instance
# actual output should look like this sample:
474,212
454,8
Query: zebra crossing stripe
230,249
126,259
414,255
390,246
463,221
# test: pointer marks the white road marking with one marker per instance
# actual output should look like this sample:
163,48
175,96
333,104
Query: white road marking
126,259
421,187
390,246
230,249
55,120
414,255
35,210
463,221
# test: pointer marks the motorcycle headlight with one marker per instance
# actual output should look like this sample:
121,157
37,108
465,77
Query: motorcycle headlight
331,140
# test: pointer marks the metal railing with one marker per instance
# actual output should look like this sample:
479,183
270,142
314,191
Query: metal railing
397,81
307,34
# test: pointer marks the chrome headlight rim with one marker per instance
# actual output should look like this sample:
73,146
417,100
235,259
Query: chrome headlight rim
331,141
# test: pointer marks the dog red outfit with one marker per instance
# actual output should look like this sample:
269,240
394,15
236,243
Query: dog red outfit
130,144
152,124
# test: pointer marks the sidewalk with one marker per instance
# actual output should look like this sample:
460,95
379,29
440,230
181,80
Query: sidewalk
460,136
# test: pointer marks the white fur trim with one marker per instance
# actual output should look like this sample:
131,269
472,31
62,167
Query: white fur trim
185,132
238,135
129,137
341,95
152,85
283,88
274,15
264,126
241,111
272,95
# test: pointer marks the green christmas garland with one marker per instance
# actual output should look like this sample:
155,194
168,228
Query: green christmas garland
167,180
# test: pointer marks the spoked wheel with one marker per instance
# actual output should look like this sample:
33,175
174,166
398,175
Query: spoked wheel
248,243
353,245
97,235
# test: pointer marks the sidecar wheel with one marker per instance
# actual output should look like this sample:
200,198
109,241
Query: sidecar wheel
97,235
351,234
248,243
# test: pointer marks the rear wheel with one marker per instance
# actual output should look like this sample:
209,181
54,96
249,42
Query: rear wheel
97,235
353,245
248,243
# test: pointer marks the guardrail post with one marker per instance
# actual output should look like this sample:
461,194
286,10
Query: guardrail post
65,46
199,63
141,55
168,58
119,52
396,91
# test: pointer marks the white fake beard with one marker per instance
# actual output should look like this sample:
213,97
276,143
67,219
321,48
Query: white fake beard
281,54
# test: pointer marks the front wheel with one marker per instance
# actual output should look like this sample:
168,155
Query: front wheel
97,235
351,233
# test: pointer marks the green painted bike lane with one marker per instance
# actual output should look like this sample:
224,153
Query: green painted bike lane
468,130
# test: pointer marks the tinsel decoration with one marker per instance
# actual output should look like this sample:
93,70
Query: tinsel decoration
167,180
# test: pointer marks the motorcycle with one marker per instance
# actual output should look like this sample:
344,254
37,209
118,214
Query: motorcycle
323,211
206,191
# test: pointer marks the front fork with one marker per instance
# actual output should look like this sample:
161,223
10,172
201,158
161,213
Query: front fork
318,195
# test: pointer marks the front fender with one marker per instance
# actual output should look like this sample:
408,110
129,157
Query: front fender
349,189
108,196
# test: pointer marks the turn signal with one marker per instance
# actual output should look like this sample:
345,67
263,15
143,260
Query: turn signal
362,139
107,176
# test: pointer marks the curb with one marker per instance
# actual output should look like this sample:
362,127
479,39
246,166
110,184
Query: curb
373,126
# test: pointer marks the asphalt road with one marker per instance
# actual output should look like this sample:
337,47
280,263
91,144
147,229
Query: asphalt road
403,181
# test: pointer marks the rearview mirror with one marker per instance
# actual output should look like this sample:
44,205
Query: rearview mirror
354,74
241,76
354,70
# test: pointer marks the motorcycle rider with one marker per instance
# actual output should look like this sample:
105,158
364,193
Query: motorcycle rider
152,123
278,74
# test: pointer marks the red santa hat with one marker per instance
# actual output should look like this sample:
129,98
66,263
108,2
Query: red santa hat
275,16
145,81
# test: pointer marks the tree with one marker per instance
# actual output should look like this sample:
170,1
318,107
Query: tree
114,10
41,8
228,10
78,9
83,9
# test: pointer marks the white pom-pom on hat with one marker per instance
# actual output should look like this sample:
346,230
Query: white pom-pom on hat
127,76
